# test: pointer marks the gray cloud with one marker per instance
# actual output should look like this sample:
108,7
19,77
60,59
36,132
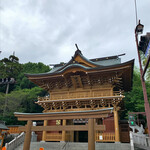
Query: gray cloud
46,30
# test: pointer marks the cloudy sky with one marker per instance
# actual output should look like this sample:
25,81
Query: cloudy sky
47,30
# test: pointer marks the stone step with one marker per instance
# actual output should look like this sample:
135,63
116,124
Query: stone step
75,146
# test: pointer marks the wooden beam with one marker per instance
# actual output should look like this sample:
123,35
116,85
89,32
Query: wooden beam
63,128
64,115
83,99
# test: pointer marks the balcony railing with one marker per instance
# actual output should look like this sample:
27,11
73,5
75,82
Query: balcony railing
90,103
99,137
53,137
105,137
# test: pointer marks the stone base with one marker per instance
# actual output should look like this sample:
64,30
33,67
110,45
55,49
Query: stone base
117,142
42,141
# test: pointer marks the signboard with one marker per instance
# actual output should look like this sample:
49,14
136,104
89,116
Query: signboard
101,137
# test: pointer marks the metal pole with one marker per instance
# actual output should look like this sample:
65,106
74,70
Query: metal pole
146,103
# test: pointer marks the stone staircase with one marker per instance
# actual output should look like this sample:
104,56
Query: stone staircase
75,146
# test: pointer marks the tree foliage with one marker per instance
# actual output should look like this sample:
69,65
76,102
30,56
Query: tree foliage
144,61
20,101
9,67
22,81
134,100
22,95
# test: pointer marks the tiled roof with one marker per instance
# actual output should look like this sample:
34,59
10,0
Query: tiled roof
2,126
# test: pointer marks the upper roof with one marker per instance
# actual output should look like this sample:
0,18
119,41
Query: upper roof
79,61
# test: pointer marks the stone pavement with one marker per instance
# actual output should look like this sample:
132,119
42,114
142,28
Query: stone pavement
76,146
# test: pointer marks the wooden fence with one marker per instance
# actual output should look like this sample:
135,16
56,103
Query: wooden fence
105,137
99,137
13,130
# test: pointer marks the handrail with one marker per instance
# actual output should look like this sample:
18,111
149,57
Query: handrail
15,142
140,140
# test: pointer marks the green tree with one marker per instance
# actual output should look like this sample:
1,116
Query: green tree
9,70
9,67
144,61
20,101
148,69
34,68
134,100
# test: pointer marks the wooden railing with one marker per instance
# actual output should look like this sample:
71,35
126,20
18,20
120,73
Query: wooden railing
57,137
104,137
68,137
13,129
15,142
81,94
118,93
53,137
99,137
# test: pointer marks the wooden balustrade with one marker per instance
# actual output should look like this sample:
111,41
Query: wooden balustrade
57,136
118,93
104,137
13,130
80,104
99,137
53,136
82,94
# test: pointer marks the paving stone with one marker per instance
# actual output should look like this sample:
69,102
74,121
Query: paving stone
75,146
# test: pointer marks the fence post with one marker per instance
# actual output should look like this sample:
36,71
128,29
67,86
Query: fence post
131,141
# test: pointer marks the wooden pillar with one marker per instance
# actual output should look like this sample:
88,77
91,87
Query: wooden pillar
71,133
91,134
116,122
64,132
95,123
27,140
44,132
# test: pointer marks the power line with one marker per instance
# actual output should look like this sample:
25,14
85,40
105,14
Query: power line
136,12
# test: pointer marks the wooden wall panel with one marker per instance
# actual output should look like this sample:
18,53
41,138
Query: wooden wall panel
109,124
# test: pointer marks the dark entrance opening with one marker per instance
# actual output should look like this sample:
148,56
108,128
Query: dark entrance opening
83,136
80,136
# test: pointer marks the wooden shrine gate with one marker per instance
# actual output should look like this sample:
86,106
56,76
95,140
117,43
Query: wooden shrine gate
91,127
